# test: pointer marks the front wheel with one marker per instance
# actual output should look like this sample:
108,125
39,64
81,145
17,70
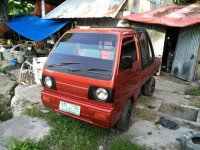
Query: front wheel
123,122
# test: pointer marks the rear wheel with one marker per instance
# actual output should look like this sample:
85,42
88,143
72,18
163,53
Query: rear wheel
149,87
124,120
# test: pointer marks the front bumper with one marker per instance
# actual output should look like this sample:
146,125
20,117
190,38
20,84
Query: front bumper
98,115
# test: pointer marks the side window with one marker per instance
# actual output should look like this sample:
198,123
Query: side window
146,49
151,51
129,48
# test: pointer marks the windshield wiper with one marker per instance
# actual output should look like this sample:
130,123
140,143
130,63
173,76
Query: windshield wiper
72,69
69,63
98,71
62,66
52,65
95,69
92,70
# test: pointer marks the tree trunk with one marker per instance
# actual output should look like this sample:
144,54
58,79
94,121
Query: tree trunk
3,11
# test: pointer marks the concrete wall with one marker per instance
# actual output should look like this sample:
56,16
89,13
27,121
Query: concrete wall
140,6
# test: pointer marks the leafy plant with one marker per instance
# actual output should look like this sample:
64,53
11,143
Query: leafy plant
15,144
193,91
5,113
19,7
1,96
5,110
29,145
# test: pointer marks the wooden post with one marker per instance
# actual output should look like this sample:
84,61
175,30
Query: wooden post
43,8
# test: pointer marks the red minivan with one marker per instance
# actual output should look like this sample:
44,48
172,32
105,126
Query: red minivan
95,75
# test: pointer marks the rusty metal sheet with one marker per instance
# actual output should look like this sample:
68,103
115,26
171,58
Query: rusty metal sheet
86,9
172,15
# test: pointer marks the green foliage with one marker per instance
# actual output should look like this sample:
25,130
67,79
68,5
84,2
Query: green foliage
5,110
72,134
68,132
1,96
19,7
5,113
121,143
193,91
15,144
184,1
29,145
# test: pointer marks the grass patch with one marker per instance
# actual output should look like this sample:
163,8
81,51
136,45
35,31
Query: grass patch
194,101
15,144
5,113
2,96
145,100
121,143
145,114
68,133
72,134
5,110
193,91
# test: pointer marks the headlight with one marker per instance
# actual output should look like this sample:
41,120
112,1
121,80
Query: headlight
101,94
48,82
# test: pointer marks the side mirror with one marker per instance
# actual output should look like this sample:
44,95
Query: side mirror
126,62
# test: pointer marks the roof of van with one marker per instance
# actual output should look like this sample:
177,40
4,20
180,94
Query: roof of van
110,30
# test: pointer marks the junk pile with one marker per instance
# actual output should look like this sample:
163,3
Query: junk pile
31,73
29,56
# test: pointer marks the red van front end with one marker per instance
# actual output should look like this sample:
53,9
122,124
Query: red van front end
78,77
74,91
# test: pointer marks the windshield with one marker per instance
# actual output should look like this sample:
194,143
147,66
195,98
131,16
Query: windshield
84,54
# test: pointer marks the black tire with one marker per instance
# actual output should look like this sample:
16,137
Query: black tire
149,87
123,122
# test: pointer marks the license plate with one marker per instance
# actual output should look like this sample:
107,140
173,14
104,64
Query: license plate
70,108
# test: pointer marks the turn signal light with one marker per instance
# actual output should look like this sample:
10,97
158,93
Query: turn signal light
100,116
46,98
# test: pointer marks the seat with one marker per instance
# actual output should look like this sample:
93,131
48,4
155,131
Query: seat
107,55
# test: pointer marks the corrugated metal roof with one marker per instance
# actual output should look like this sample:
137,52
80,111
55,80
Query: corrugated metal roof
173,15
86,9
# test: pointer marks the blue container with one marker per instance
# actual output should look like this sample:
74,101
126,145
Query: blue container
13,62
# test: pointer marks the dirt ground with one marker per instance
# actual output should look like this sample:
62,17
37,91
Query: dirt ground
144,131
